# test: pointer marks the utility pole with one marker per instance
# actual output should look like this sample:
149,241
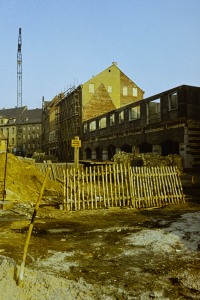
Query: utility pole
19,70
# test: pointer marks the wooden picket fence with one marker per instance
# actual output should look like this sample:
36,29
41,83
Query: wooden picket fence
121,186
56,170
117,185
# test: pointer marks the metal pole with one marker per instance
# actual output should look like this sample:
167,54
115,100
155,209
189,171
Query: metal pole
76,154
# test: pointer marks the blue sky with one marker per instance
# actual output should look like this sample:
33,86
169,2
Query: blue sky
156,43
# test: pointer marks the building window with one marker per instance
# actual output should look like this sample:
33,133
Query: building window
29,145
112,120
173,101
29,136
135,92
93,126
134,113
13,130
91,87
125,91
29,128
121,117
110,89
33,135
153,111
85,128
24,136
37,135
102,122
13,141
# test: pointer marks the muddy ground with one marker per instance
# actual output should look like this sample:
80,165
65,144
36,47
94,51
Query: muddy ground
105,254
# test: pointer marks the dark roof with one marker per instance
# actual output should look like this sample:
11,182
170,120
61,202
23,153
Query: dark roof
22,115
32,116
12,112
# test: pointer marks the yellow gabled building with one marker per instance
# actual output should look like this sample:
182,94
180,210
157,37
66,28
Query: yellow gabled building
108,90
105,92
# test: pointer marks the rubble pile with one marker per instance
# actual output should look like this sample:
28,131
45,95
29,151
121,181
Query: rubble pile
23,181
149,159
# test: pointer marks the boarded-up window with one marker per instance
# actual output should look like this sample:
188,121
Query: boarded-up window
91,87
135,92
110,89
93,126
125,91
102,122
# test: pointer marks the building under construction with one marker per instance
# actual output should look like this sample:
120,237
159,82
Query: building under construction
63,116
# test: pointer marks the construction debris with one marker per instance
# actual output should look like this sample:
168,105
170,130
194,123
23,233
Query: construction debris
149,159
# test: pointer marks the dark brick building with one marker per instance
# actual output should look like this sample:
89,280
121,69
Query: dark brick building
166,123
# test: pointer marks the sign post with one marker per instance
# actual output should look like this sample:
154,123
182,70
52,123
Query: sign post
76,144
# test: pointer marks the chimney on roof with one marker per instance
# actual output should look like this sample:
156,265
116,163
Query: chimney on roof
114,63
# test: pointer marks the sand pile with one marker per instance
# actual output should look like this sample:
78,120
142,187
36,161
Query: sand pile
23,180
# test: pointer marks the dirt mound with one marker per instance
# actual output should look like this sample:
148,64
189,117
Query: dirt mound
23,180
38,285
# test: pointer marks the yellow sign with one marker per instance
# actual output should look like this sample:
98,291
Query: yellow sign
76,143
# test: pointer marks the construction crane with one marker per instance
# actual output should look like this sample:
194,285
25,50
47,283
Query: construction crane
19,132
19,70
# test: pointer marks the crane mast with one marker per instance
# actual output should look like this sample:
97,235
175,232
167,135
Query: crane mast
19,70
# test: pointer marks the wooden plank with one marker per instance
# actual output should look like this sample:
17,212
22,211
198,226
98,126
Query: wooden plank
103,186
91,187
87,187
115,184
95,186
106,186
99,185
83,188
111,184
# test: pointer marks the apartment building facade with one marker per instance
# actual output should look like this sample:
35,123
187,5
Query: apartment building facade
22,128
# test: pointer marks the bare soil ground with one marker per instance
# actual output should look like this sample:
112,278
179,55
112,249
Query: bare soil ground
109,253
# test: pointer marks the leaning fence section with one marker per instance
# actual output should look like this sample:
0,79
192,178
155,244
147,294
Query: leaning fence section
56,170
119,185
